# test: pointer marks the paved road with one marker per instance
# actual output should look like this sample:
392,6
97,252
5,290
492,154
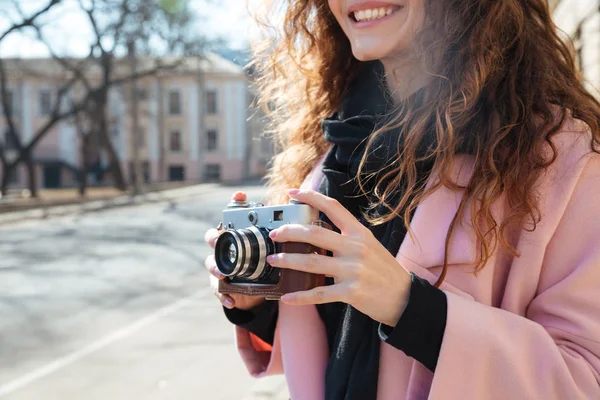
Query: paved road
115,305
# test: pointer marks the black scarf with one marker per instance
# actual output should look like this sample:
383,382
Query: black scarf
352,372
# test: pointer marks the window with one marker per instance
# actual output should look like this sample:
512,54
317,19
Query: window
212,142
52,176
211,102
141,139
9,103
142,94
212,172
175,141
176,173
120,89
114,130
145,171
45,103
174,102
13,176
9,140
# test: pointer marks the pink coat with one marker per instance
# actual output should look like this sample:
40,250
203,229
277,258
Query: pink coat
526,327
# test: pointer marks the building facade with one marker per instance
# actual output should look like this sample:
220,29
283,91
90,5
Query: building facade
193,125
581,22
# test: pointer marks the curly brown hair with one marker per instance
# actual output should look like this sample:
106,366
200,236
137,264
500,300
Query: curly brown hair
498,68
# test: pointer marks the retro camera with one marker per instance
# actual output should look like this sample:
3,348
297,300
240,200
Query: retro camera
244,244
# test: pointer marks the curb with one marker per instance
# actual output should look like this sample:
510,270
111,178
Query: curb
187,192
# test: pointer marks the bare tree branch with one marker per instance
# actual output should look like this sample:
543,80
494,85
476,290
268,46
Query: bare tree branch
30,20
76,70
8,109
17,6
118,28
90,14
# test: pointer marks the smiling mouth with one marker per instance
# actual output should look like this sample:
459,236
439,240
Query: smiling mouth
373,14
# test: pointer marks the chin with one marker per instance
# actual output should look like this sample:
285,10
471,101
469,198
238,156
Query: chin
370,50
370,55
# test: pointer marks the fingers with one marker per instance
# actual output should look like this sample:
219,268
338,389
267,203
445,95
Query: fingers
340,217
215,277
226,300
318,295
210,237
317,236
211,266
312,263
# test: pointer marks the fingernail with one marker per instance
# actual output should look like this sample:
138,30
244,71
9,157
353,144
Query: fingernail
293,192
287,298
215,271
228,303
272,258
273,234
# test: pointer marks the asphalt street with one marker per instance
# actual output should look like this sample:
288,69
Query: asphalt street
116,305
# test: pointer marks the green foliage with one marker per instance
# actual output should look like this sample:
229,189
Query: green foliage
172,6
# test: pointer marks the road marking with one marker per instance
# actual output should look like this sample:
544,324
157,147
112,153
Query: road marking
93,347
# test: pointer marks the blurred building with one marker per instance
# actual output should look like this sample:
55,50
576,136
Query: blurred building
580,20
193,124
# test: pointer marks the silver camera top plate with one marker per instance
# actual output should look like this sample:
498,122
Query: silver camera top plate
270,217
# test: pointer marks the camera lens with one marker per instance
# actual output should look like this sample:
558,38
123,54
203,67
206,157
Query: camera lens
229,253
243,253
232,253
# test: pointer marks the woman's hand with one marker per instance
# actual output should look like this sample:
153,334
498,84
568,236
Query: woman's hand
366,275
230,301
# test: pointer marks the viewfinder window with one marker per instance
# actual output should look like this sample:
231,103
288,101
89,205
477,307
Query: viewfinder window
278,215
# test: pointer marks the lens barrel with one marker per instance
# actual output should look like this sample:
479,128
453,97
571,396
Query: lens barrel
242,253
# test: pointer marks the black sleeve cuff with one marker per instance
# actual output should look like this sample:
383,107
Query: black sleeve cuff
261,320
420,330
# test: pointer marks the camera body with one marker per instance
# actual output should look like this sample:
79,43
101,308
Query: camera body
244,244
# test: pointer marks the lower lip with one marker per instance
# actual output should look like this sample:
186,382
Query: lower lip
369,24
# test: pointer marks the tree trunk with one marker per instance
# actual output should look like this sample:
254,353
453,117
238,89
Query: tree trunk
6,170
113,159
115,166
31,175
83,171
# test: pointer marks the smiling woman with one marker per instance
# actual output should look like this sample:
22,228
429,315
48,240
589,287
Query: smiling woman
453,148
377,29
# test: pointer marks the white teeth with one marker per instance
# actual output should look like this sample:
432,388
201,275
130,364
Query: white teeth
376,13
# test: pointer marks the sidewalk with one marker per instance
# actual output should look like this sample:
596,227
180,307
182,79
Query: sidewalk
270,388
50,209
20,200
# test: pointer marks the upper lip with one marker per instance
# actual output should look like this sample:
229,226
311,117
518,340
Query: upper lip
368,5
